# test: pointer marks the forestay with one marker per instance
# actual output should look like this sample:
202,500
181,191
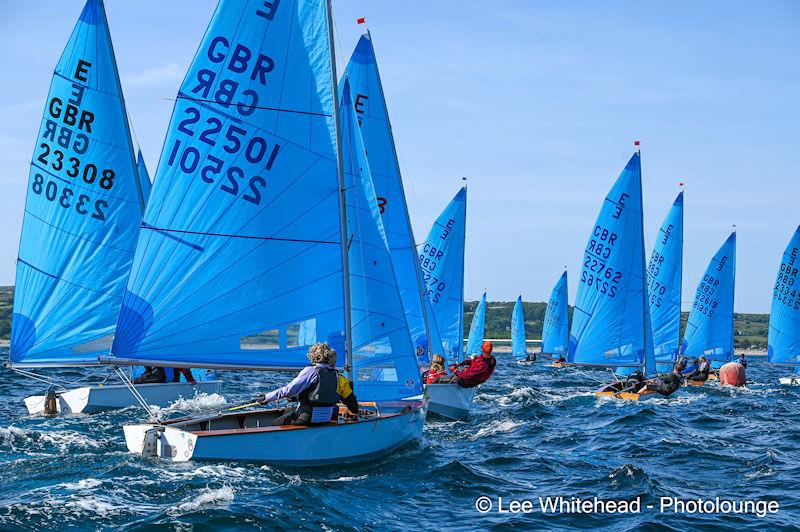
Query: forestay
611,323
241,244
709,331
664,273
555,330
441,257
373,116
784,318
476,328
518,346
82,212
383,354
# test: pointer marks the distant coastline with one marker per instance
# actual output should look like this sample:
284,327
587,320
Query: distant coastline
750,334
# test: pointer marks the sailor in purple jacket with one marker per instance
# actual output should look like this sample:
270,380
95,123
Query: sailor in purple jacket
318,388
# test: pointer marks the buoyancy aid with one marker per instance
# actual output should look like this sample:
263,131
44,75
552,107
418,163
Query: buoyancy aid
318,401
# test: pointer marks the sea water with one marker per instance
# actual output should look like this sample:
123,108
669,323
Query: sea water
537,440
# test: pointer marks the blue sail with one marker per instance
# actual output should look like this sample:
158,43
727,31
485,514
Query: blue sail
709,330
784,318
611,323
82,211
241,243
555,329
518,346
144,176
476,328
383,354
373,116
441,258
664,274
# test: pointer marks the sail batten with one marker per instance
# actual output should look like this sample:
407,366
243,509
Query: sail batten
709,330
82,210
784,319
611,324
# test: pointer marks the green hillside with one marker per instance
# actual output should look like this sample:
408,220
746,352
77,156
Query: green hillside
751,329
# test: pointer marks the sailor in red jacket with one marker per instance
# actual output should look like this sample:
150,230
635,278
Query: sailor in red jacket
479,368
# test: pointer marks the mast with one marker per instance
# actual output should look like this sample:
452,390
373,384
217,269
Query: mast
733,317
463,253
412,241
348,333
645,306
566,326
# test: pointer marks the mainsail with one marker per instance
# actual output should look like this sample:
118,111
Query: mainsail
383,354
555,329
241,243
370,107
784,318
709,331
83,209
441,257
664,273
611,321
144,176
518,346
476,328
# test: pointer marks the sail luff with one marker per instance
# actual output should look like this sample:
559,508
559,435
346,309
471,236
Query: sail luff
462,351
649,363
518,345
348,332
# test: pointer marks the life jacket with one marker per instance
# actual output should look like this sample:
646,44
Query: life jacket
433,375
318,401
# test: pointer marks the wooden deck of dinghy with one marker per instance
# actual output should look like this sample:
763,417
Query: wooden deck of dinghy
241,416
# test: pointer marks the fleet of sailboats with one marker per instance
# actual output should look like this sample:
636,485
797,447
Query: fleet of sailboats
278,219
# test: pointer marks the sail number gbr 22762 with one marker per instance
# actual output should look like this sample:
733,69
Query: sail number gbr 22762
235,143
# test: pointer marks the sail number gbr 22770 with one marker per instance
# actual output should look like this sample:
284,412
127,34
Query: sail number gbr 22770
235,143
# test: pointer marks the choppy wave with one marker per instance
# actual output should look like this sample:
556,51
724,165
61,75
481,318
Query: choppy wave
534,431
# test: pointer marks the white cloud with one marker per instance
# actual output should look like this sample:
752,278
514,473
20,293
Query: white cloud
155,76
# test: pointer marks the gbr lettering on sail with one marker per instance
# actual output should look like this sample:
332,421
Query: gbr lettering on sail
223,97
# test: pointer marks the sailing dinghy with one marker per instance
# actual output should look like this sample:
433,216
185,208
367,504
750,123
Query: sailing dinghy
86,195
262,236
784,318
441,257
555,327
611,319
519,347
709,330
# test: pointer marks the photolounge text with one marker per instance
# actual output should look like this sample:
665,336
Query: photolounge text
575,505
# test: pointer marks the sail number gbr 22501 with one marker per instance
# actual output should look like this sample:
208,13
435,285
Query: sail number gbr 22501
234,142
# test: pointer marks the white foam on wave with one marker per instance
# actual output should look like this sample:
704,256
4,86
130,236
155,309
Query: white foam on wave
496,427
19,439
201,402
211,472
517,395
208,498
84,484
348,479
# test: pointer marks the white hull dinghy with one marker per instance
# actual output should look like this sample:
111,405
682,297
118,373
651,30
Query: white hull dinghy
450,400
100,398
794,380
250,436
252,277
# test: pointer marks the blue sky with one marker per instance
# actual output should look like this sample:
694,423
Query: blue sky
538,103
